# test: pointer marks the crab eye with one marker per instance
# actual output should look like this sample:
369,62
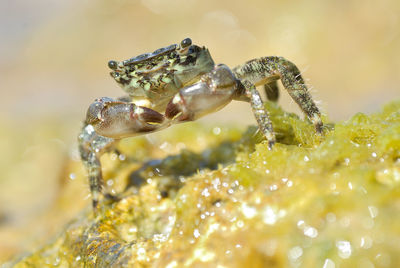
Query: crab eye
112,64
193,49
186,42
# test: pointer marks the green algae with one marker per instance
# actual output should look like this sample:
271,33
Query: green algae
225,199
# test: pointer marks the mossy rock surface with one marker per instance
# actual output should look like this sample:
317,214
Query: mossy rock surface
311,201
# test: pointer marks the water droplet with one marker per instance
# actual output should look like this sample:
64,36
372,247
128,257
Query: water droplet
216,131
166,146
295,253
72,176
172,264
56,261
363,190
248,212
196,233
350,186
300,224
373,211
344,248
328,264
205,192
366,242
271,215
383,259
273,187
389,176
310,232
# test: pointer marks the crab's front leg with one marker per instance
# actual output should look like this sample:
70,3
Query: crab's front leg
91,147
214,90
106,121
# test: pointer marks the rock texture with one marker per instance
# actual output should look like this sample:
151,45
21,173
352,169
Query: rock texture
312,201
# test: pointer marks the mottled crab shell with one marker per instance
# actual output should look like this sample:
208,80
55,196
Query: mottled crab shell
148,56
155,77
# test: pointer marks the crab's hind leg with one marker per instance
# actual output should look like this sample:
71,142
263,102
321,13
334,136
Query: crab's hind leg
260,113
258,71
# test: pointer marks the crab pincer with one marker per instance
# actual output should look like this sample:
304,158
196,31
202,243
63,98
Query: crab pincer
117,119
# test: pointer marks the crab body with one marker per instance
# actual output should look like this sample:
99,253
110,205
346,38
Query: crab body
180,83
153,78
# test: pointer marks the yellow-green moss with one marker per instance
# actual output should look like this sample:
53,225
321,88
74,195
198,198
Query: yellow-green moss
311,201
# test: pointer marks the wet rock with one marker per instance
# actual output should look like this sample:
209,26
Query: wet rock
312,201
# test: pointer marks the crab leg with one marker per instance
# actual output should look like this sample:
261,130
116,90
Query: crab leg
91,146
106,121
260,113
267,69
215,90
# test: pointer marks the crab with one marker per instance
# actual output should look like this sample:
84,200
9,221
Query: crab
181,83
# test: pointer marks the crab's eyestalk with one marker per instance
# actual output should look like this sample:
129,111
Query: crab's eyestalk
186,42
113,65
195,50
117,71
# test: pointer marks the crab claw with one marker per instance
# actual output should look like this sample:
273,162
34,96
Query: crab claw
116,119
215,90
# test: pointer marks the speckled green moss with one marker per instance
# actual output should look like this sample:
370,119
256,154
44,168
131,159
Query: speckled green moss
312,201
